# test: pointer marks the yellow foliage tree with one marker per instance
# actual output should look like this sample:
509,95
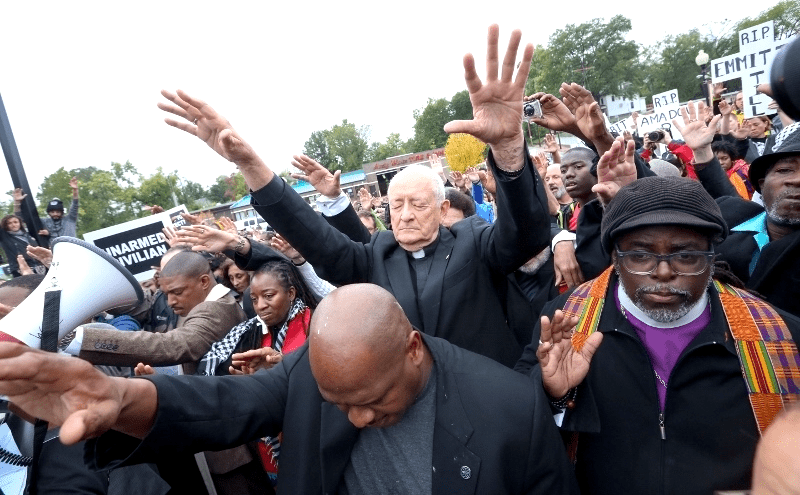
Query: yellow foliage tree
462,151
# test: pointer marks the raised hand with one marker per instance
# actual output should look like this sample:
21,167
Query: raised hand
278,243
73,184
550,144
472,174
741,130
588,115
563,367
18,195
725,108
436,166
615,170
695,132
170,234
497,104
204,122
555,115
325,182
634,119
247,363
365,198
191,219
719,88
227,225
541,162
207,239
458,179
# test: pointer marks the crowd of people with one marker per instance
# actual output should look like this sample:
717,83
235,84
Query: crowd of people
451,336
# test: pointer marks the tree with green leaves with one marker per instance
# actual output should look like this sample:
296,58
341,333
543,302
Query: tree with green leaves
430,120
317,148
348,146
107,196
429,124
594,54
393,146
342,147
671,65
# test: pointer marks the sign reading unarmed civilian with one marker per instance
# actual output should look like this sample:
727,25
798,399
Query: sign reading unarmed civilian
139,244
758,46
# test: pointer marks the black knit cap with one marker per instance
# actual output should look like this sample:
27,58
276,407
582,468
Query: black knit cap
55,204
650,201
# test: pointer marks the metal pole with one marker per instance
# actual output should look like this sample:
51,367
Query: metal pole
18,177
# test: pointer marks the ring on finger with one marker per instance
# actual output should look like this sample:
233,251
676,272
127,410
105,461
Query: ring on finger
195,121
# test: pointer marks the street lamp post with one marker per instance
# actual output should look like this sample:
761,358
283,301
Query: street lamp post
702,61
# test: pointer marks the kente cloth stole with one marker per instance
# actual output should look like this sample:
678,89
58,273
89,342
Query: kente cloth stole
767,354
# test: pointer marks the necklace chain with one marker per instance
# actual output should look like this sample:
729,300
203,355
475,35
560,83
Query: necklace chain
660,380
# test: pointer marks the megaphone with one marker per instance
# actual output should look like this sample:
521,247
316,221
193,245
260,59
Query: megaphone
90,281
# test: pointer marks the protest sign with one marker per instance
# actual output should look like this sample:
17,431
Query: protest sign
666,99
757,49
660,119
139,244
622,126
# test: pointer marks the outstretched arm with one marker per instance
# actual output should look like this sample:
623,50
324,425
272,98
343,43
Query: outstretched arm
71,393
200,120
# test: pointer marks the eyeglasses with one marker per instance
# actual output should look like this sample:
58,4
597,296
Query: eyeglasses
682,262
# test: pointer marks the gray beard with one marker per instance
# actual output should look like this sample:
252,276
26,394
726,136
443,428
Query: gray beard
773,215
560,193
665,315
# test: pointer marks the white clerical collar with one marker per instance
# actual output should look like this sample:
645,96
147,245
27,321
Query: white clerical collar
629,306
418,254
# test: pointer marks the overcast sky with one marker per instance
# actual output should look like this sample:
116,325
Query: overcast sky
80,80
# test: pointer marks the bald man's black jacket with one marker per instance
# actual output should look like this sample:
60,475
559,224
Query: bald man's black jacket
462,299
493,433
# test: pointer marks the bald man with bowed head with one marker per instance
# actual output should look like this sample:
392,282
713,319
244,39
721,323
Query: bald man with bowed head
369,405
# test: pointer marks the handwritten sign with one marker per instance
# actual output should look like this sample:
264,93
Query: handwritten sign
757,49
660,119
666,99
621,126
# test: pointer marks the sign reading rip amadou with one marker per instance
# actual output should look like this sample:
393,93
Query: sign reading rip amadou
139,244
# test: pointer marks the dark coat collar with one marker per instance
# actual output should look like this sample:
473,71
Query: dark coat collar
452,460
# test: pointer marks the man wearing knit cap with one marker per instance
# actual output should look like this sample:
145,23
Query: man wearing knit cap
55,223
662,375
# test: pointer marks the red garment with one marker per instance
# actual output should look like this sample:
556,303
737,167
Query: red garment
573,221
296,334
685,155
738,175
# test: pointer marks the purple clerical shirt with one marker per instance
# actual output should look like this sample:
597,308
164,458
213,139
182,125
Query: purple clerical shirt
665,345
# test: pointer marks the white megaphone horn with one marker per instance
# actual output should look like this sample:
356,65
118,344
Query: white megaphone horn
90,282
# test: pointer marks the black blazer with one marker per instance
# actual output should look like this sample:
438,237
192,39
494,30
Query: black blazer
493,433
461,301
